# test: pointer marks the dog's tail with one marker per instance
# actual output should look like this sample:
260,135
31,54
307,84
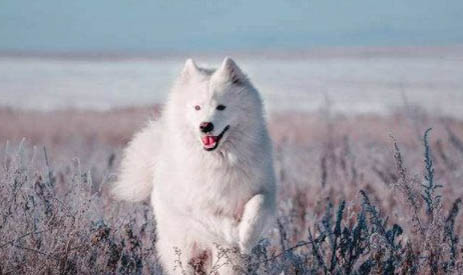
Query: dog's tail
135,179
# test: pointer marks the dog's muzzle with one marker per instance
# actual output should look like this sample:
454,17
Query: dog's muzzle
211,142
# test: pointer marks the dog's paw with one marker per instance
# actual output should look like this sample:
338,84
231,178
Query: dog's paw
244,249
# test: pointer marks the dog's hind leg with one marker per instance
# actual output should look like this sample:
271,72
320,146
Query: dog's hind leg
180,257
173,256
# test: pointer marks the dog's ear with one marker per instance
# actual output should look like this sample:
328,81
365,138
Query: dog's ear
230,72
190,69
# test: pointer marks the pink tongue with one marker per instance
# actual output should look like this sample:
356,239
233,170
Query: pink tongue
209,140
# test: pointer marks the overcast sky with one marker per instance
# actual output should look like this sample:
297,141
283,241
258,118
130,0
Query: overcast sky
150,26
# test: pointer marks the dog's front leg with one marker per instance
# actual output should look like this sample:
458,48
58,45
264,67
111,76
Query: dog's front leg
257,213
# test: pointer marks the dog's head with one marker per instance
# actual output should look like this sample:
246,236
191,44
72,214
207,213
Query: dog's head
218,105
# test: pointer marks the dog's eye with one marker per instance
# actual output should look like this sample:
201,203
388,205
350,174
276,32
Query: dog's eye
197,108
221,107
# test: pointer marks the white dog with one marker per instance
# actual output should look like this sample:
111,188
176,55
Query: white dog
207,164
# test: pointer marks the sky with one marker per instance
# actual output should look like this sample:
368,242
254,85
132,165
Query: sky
217,25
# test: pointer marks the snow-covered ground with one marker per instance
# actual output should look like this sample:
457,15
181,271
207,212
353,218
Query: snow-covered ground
362,83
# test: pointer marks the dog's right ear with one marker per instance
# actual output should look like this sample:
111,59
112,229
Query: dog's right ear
190,69
230,72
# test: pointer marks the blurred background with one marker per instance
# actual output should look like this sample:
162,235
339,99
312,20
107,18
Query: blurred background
364,56
350,88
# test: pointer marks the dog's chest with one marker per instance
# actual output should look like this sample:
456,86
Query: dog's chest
221,191
193,186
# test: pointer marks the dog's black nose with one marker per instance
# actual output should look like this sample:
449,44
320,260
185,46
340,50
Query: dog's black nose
206,127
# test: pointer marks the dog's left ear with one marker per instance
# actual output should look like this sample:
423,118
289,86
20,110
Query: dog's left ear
190,70
230,72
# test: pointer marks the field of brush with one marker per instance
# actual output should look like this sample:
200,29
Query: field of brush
360,194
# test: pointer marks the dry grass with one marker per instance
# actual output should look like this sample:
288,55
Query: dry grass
352,199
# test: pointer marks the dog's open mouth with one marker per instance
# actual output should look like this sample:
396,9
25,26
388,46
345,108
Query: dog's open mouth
211,142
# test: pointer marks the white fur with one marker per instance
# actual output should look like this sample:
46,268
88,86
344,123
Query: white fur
136,172
202,198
